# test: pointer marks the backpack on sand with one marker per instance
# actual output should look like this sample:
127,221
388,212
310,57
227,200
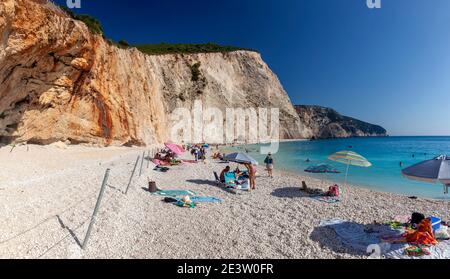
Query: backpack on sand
333,191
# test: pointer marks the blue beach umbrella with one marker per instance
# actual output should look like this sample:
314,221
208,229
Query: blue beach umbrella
241,158
436,170
323,169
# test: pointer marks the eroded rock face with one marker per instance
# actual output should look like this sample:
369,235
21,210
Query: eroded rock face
60,82
325,123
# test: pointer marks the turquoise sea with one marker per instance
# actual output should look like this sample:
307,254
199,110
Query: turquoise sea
384,153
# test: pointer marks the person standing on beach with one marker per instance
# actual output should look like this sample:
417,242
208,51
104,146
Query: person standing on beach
195,151
269,164
251,175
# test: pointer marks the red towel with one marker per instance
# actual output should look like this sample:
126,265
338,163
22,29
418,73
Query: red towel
423,235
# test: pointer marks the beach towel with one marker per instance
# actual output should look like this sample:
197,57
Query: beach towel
359,237
194,201
181,203
205,200
190,161
242,185
161,163
175,163
438,252
174,193
422,235
326,199
161,169
230,178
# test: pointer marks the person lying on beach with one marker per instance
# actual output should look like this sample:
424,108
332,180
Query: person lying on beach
222,174
158,156
217,156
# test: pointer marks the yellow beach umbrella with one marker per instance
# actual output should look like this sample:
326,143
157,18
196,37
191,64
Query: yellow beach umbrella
350,158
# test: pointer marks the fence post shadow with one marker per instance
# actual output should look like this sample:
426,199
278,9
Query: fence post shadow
72,232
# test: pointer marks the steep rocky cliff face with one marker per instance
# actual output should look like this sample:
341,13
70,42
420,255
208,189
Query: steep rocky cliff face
60,82
325,123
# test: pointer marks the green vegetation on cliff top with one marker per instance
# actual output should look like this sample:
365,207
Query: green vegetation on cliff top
153,49
164,48
92,23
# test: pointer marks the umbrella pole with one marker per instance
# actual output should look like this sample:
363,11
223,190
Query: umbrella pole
346,174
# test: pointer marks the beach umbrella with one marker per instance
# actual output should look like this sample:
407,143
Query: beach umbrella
323,169
241,158
350,158
175,149
436,170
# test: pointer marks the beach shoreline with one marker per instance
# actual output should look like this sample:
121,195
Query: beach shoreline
48,194
388,158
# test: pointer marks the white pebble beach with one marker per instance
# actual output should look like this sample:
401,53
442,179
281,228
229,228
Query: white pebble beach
48,193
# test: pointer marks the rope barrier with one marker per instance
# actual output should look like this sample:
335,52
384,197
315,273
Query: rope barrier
74,205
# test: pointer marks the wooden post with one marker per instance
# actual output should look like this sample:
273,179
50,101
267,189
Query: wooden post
132,174
97,206
142,163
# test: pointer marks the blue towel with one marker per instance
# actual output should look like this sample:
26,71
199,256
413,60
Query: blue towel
326,199
173,193
356,237
230,177
205,199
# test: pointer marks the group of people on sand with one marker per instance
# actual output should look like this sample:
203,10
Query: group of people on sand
251,171
199,152
165,156
251,174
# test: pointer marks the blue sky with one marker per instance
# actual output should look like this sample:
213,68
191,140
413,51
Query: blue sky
389,66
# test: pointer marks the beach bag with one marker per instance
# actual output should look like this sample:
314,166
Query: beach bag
435,223
170,200
152,187
417,218
304,186
442,233
333,191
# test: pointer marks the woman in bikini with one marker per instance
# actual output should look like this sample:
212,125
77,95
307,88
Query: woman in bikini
251,175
